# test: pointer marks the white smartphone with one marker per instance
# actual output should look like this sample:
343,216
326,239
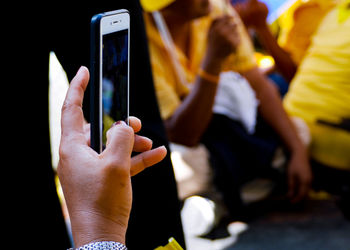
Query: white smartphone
109,69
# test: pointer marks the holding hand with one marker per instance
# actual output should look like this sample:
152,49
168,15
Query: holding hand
299,176
253,13
223,39
97,187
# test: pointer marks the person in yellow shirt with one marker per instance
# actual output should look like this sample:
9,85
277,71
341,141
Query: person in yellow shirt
209,38
318,42
320,95
320,91
298,39
297,26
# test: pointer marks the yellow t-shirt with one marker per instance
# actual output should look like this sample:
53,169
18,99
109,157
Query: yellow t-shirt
299,23
321,90
169,88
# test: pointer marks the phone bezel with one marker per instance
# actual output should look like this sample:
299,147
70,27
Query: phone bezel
103,24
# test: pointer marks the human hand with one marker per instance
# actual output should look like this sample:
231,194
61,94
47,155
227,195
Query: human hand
97,187
223,39
299,176
253,13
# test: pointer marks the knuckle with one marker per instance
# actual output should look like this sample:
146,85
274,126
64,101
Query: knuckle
122,133
127,131
67,105
63,151
66,147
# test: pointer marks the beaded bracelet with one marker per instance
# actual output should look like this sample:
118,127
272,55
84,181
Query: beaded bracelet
102,245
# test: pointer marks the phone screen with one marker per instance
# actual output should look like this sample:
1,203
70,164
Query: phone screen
114,79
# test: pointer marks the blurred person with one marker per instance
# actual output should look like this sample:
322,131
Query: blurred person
97,187
322,49
208,40
319,91
298,25
319,94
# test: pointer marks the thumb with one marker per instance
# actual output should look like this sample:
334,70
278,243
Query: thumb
120,141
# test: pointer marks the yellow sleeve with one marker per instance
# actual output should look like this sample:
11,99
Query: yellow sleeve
168,99
305,20
168,92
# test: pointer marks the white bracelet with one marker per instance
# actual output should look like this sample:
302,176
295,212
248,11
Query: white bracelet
102,245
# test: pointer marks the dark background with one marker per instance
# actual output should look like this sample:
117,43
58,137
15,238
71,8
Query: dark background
32,211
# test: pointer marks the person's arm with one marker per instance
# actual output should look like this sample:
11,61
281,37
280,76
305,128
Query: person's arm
271,109
254,15
283,61
192,117
97,187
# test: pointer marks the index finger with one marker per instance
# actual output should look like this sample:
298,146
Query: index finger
72,118
135,123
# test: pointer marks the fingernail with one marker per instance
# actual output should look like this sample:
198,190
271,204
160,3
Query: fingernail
117,123
163,147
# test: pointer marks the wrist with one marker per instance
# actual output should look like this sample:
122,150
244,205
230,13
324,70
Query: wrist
262,28
299,148
90,227
211,66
